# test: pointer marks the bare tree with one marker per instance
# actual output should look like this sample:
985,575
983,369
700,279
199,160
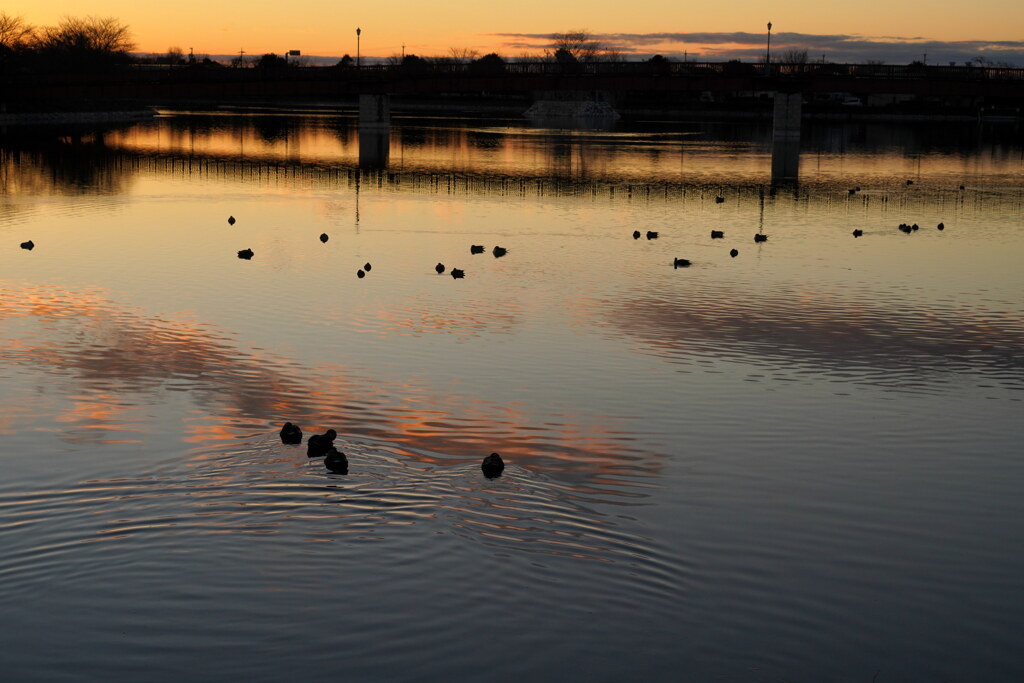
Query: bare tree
175,55
578,44
462,55
14,32
104,35
793,56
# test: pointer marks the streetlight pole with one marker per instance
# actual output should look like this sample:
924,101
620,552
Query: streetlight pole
768,52
358,31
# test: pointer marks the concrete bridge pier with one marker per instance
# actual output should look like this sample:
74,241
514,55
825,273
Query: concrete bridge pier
374,131
786,137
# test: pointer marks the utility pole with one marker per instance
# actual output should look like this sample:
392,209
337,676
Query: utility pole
768,52
358,32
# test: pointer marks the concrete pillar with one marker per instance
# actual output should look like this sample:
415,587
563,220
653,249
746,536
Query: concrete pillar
785,161
786,121
374,148
786,137
374,112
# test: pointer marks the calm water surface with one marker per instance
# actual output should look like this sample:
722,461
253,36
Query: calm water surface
802,463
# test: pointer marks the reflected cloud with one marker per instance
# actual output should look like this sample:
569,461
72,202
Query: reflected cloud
116,362
840,340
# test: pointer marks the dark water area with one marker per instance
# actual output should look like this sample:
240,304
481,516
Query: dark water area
799,463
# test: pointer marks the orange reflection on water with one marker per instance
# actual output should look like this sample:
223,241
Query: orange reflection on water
112,359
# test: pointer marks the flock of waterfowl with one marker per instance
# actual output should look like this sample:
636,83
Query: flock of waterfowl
761,237
322,446
456,273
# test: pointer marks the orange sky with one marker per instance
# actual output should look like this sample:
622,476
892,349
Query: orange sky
318,27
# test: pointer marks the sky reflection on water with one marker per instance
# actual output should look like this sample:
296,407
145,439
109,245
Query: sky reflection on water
798,463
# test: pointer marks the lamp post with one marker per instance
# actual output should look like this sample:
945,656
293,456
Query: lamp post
358,31
768,52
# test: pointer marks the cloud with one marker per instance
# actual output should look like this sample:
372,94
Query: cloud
751,46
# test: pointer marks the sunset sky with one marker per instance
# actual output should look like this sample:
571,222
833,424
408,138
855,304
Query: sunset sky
870,29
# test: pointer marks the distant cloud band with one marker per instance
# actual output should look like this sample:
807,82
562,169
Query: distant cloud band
747,46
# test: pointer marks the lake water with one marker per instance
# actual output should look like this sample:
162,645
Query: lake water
802,463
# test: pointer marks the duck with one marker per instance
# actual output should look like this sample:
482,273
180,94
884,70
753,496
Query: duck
476,249
915,226
231,220
681,263
499,252
906,228
636,234
319,444
941,226
492,466
246,254
858,232
324,237
439,268
291,433
458,273
910,182
962,187
366,267
30,245
760,238
719,200
360,274
734,252
852,190
717,234
336,461
652,235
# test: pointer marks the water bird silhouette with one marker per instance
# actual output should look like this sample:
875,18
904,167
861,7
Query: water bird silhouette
499,252
636,234
915,226
719,200
231,220
492,466
941,226
962,187
319,444
245,254
760,238
858,232
681,263
910,182
360,274
458,273
324,237
336,461
30,245
366,267
476,249
734,252
291,433
717,234
652,235
906,228
439,268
